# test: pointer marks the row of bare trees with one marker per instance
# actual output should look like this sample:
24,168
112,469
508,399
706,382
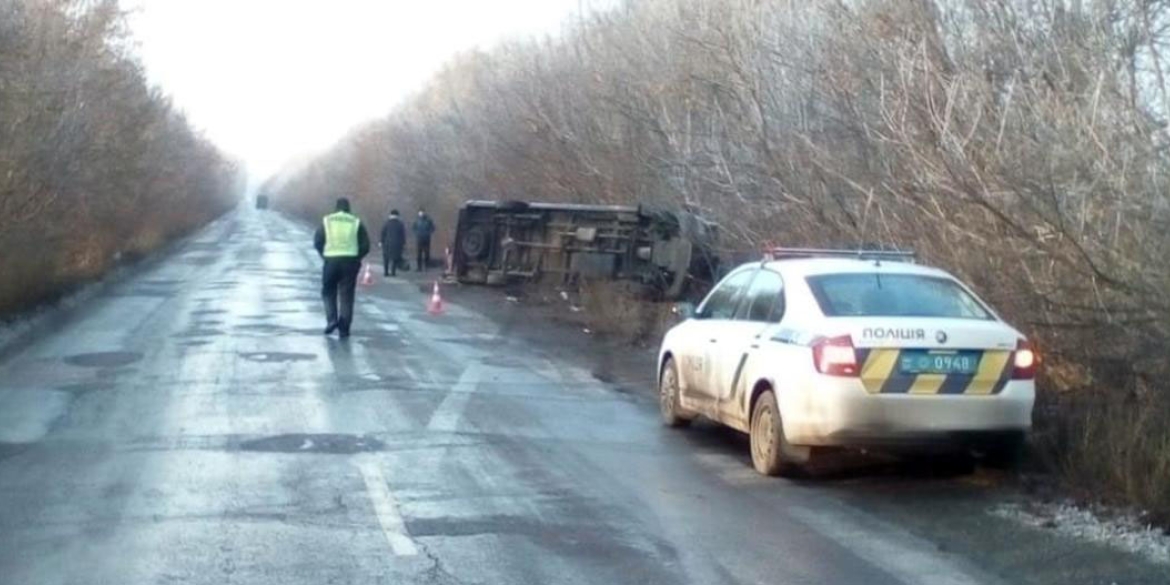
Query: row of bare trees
1019,143
95,165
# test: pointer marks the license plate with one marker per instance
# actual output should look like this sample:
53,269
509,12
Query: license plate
932,362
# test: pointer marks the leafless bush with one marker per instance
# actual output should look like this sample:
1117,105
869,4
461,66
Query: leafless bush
1020,143
94,164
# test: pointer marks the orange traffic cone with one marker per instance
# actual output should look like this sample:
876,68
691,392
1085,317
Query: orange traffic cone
435,307
367,276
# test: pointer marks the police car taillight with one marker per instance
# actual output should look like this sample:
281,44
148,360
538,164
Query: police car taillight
1024,361
834,356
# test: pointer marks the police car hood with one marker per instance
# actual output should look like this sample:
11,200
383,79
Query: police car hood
922,332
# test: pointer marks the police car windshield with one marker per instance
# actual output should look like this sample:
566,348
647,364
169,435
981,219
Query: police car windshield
872,294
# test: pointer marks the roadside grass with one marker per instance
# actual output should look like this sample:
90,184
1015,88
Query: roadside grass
65,259
43,273
1102,451
620,310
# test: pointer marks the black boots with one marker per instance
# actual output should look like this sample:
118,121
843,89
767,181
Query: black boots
341,326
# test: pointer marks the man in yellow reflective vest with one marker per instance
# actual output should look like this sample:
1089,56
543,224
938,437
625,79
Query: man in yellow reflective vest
342,241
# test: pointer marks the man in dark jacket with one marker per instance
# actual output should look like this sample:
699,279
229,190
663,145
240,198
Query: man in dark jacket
393,242
342,241
423,229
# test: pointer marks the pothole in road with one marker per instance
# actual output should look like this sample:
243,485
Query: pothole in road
83,388
475,341
432,319
504,362
331,444
383,342
277,357
144,292
263,327
198,260
103,359
198,333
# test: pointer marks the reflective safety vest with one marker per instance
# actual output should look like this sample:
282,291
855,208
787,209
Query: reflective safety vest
341,235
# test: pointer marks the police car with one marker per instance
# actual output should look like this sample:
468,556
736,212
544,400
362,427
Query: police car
822,348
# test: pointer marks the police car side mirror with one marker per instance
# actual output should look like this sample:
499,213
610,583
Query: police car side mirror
683,311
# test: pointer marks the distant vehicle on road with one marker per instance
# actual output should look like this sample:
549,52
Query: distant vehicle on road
819,348
261,202
499,242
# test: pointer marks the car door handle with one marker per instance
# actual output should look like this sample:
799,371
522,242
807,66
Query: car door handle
755,346
713,340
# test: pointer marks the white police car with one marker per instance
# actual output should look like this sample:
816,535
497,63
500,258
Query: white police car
819,348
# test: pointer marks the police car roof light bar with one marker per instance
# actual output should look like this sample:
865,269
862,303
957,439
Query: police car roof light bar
775,253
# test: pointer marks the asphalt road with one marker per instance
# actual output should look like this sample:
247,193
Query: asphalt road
191,424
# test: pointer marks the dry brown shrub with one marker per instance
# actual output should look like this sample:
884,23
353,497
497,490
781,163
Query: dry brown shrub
95,165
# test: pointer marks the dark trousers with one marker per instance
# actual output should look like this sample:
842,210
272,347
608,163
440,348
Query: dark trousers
339,279
424,253
391,260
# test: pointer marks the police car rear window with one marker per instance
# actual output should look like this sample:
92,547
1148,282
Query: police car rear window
873,294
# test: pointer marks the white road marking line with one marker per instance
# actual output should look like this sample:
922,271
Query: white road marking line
410,372
446,416
906,557
567,376
386,510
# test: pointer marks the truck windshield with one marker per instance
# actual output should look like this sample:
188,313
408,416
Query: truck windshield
874,294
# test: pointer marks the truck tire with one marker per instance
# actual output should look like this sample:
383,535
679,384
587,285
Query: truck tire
474,243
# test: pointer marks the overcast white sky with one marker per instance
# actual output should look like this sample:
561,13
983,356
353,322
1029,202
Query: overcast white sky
271,80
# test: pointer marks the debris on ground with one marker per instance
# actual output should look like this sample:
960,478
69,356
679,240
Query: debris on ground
1122,532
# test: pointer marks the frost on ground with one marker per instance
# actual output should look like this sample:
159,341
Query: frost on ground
1126,533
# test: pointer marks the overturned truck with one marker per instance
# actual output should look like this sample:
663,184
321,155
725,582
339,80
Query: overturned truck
497,242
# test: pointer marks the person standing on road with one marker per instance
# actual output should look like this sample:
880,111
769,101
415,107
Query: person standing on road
423,229
392,242
342,241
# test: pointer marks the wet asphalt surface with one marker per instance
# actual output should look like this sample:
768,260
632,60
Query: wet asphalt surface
192,425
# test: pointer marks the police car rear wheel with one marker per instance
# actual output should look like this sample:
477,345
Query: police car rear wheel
772,454
668,390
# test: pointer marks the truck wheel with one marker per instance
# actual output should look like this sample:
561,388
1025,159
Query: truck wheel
474,243
668,399
772,454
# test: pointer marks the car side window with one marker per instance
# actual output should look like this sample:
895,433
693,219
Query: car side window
766,299
723,302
